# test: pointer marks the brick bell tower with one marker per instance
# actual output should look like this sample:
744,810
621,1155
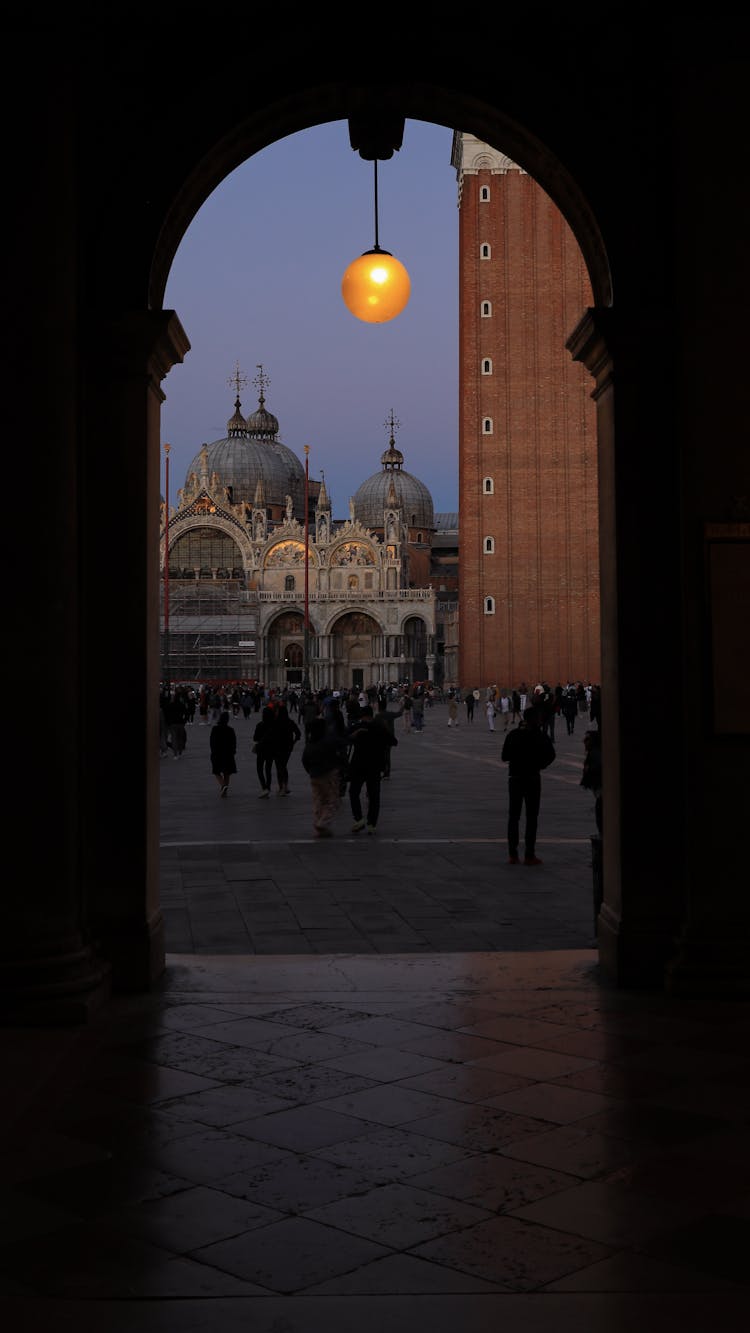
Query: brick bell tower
528,502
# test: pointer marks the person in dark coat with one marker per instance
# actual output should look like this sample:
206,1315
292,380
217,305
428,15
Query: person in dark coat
369,743
526,751
285,733
322,760
263,741
223,746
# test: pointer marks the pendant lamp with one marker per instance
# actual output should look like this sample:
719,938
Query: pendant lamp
376,287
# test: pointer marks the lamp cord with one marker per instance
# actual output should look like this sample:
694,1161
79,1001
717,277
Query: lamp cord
375,164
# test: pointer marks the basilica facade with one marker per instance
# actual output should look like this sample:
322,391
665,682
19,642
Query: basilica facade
260,582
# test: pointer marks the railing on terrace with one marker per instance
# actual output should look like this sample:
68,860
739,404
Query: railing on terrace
346,595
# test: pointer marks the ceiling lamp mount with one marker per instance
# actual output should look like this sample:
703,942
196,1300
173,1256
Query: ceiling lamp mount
376,287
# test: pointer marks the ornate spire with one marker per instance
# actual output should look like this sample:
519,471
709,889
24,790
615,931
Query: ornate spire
323,500
262,425
236,425
392,459
260,497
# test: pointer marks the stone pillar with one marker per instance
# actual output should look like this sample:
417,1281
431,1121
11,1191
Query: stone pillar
51,970
119,656
643,812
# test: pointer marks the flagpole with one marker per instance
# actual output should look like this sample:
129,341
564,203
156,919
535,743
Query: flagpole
306,672
165,671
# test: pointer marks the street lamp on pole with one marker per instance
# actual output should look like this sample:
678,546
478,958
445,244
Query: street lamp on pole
306,654
165,669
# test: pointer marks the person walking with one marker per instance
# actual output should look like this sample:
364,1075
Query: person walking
369,743
505,708
177,714
526,750
223,748
406,707
452,711
322,760
286,733
263,746
489,708
417,709
386,717
470,701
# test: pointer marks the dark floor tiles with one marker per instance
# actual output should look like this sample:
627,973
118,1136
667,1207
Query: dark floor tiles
521,1256
465,1083
573,1150
457,1046
303,1128
561,1106
612,1213
385,1064
291,1255
222,1106
310,1083
316,1016
398,1215
475,1127
405,1274
637,1273
531,1062
258,1033
194,1218
388,1104
391,1154
294,1183
499,1184
205,1157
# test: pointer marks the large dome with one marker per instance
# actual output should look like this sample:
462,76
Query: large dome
411,495
249,454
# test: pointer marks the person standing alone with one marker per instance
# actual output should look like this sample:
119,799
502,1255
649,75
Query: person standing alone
369,745
526,751
223,746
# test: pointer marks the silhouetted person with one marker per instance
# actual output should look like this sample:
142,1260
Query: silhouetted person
223,746
526,751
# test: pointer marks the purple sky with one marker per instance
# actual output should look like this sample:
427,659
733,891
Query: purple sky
257,280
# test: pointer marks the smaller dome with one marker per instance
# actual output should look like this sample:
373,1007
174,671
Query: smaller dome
236,424
393,487
262,425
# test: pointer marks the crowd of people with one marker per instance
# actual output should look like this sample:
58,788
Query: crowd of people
347,737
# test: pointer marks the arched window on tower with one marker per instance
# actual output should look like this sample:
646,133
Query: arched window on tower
489,606
484,194
489,545
487,426
486,310
488,486
485,251
487,365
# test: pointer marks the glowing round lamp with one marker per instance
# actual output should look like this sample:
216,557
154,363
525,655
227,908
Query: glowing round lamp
376,287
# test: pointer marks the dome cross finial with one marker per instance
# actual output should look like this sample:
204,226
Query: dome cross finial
261,383
238,380
392,424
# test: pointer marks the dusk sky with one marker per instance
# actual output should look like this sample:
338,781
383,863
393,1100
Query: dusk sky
257,281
